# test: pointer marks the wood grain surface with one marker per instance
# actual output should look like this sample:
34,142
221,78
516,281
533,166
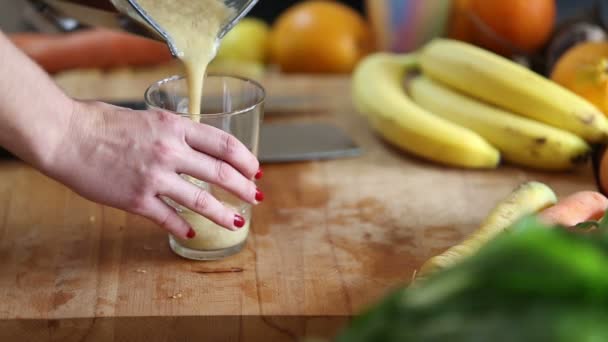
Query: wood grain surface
331,238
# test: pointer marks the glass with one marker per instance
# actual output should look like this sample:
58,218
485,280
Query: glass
234,105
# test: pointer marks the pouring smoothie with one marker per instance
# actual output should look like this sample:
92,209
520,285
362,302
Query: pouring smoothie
194,27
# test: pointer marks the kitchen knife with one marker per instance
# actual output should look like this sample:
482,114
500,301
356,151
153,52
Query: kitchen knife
292,142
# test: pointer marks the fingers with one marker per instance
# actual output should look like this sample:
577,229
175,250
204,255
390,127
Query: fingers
220,173
221,145
165,216
202,202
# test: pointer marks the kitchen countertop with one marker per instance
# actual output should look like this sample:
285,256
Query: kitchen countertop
331,238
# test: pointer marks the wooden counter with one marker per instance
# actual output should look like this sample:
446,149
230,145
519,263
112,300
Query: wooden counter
331,238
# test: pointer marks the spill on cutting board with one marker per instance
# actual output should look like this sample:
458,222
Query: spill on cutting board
75,282
385,221
443,233
379,246
364,226
27,278
249,289
39,302
440,238
288,203
164,285
105,302
178,295
62,297
37,255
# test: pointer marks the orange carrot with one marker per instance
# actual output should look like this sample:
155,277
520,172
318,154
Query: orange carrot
576,208
95,48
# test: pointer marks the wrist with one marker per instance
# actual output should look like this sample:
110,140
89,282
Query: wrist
47,136
36,136
35,113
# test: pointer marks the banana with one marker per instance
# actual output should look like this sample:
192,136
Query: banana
499,81
520,140
529,198
378,94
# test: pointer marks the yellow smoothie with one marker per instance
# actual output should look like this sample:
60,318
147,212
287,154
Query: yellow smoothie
210,236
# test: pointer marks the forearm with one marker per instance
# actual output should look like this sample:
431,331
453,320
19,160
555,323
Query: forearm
34,111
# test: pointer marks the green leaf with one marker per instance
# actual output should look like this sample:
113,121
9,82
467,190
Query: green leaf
603,224
535,283
587,225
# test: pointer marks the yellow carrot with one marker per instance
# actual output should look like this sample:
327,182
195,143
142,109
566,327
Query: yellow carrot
528,198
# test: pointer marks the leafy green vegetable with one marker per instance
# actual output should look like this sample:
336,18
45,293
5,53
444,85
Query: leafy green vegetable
601,224
534,283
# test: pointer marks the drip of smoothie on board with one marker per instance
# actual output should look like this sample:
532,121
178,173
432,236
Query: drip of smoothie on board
193,25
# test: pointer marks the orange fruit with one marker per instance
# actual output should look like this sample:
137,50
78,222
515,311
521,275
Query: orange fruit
525,24
584,70
319,37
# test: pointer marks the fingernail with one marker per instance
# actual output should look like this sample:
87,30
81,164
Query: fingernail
239,221
191,234
259,195
259,174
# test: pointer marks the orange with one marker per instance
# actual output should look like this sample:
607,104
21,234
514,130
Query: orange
525,24
319,37
584,70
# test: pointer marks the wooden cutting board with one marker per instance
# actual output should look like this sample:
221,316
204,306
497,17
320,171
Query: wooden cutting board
331,238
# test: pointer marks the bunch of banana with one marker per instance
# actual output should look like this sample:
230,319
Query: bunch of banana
499,81
378,92
521,140
471,101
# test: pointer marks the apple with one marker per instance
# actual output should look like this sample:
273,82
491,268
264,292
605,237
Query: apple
247,41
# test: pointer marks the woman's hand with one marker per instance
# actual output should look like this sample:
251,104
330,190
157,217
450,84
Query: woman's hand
119,157
128,159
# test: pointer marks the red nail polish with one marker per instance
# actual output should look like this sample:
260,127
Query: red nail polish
259,174
239,221
191,234
259,195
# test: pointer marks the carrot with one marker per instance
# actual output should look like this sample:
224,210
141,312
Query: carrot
576,208
95,48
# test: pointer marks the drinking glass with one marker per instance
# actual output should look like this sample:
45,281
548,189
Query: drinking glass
236,106
406,25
